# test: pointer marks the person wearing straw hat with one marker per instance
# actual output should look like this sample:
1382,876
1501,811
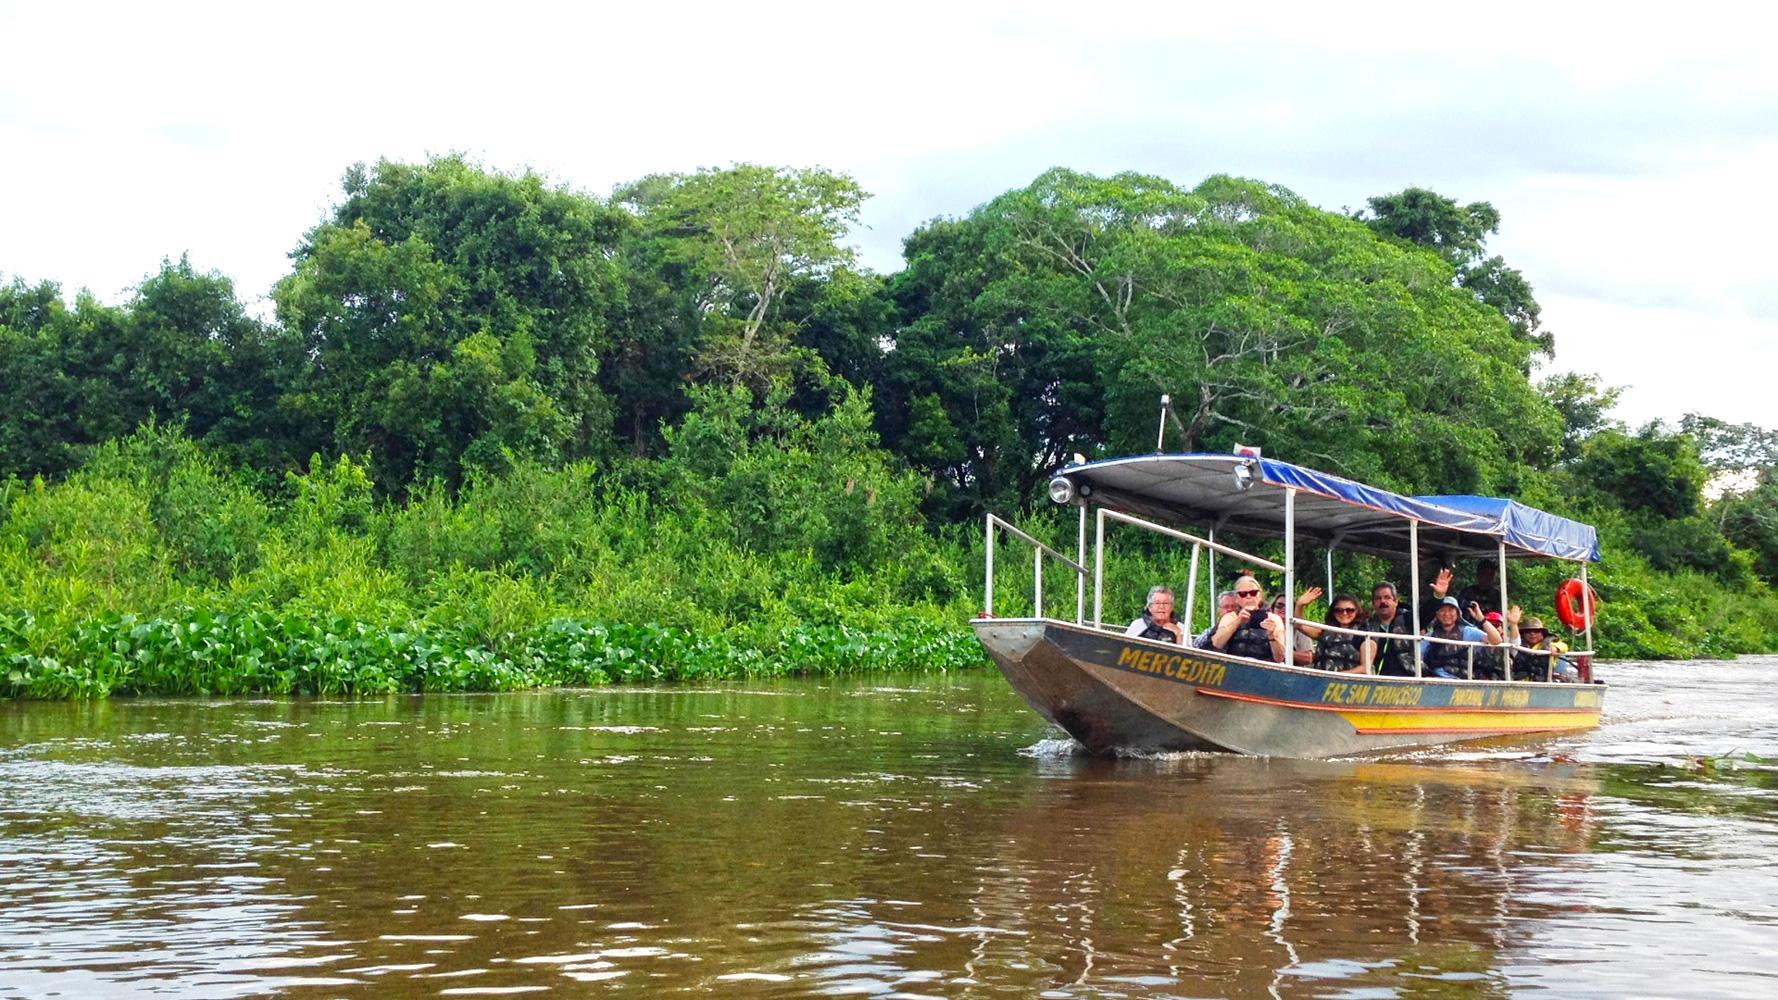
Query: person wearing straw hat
1538,656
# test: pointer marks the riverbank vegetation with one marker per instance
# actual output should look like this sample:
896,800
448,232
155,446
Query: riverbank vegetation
497,433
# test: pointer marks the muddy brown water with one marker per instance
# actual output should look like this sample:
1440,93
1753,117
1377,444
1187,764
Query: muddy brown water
923,837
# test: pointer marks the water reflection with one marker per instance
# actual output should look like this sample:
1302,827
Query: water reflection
921,839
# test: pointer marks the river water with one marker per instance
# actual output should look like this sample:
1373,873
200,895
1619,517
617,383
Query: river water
915,838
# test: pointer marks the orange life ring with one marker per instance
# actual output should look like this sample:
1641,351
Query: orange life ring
1569,608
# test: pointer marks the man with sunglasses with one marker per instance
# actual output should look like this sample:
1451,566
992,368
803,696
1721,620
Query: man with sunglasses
1250,630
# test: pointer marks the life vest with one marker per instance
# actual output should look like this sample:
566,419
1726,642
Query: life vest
1454,660
1533,664
1152,631
1338,652
1395,657
1251,641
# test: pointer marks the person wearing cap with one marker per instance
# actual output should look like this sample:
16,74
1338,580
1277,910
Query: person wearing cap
1445,660
1493,666
1538,656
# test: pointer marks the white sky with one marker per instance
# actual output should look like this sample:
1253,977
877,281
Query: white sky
1632,155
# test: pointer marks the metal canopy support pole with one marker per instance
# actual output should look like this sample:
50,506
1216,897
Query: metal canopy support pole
1503,580
988,596
1289,576
1330,589
1586,606
1099,572
1414,572
1080,579
1191,593
1215,585
1036,583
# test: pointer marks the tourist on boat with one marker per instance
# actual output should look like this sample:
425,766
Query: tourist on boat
1484,593
1538,656
1225,603
1302,647
1250,630
1349,654
1445,660
1157,619
1492,664
1395,657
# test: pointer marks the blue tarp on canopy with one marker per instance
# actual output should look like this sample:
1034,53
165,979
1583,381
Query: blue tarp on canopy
1247,495
1529,528
1424,509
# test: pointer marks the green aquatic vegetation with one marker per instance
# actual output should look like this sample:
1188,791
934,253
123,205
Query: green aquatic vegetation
205,653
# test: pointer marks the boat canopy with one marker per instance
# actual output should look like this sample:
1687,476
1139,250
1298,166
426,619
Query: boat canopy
1244,494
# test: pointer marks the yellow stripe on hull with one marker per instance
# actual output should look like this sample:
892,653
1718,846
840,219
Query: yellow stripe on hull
1449,722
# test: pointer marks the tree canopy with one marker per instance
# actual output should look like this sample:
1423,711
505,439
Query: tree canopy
453,315
709,339
1459,235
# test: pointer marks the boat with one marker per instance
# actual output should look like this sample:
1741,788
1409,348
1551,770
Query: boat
1115,694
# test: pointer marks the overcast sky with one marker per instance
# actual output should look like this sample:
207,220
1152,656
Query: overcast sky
1633,160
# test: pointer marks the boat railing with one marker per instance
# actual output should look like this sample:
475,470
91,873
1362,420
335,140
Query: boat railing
1198,544
1039,550
1495,649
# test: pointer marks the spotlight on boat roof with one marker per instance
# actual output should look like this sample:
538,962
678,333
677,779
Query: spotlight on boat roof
1062,490
1244,475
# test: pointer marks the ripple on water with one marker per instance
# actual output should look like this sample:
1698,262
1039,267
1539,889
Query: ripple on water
1628,861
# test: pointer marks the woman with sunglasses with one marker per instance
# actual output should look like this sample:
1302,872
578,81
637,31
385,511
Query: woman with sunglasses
1250,630
1349,654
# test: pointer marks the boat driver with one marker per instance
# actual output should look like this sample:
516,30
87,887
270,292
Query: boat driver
1157,619
1250,630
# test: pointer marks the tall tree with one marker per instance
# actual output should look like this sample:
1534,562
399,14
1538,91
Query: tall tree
181,350
1060,313
749,234
1585,406
455,315
1459,235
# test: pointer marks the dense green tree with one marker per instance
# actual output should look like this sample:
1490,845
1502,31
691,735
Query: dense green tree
1750,519
454,316
656,328
1053,318
1653,470
1459,235
181,350
764,477
748,234
1584,404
